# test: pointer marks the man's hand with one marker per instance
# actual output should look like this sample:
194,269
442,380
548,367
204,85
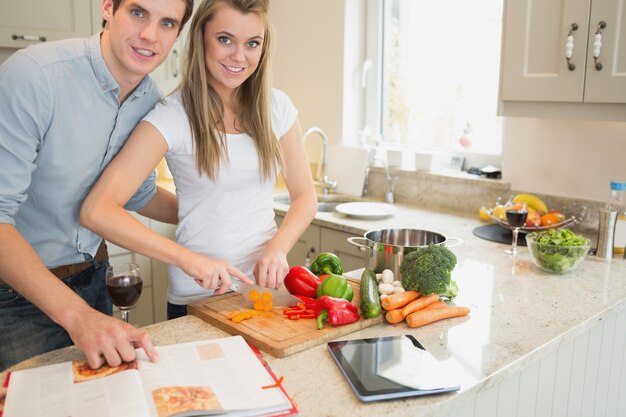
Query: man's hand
105,339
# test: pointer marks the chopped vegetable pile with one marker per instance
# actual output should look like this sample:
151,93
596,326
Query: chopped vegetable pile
562,237
262,302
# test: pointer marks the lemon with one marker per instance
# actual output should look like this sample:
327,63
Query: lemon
483,213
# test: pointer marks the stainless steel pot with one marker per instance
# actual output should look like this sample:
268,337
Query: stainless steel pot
387,247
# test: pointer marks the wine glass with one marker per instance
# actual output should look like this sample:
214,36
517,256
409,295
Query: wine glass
516,215
124,285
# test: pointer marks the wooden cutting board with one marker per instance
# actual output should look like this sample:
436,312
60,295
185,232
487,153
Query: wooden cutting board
272,331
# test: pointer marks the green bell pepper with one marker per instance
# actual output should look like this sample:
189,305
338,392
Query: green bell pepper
326,263
335,286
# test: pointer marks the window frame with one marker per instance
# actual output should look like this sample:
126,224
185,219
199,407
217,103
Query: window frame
373,65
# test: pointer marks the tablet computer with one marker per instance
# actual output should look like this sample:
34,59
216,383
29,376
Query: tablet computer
391,367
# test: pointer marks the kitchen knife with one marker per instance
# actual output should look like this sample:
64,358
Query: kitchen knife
279,297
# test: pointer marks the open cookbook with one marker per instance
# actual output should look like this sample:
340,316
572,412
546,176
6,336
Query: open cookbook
211,377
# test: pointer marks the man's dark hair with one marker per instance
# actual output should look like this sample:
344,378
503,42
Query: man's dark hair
186,16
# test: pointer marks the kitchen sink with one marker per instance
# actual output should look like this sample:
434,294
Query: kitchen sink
325,203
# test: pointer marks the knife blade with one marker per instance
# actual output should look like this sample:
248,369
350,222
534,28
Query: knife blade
279,297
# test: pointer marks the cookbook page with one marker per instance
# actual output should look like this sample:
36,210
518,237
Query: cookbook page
73,389
212,375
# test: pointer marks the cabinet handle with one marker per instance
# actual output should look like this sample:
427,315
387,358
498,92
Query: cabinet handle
29,38
175,63
597,45
569,46
309,255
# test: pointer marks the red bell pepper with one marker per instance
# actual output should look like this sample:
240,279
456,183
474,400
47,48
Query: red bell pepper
301,281
301,311
309,302
337,311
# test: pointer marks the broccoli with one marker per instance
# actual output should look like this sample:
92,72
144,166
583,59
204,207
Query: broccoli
428,270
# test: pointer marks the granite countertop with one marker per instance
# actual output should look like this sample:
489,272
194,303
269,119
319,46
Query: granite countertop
519,315
450,223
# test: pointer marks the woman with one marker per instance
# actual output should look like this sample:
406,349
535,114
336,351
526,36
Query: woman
225,134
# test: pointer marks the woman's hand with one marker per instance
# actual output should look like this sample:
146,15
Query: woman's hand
271,268
214,274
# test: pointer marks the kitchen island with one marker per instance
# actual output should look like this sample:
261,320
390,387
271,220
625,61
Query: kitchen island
534,343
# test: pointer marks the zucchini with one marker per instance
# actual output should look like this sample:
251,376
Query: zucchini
370,300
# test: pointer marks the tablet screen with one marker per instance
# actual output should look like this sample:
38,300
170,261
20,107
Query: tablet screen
393,367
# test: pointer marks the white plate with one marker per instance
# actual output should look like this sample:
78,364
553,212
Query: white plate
365,210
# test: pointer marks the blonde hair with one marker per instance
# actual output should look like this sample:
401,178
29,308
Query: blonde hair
205,108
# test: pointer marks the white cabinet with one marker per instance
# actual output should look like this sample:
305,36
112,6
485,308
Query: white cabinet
168,74
306,248
351,256
152,305
143,313
25,22
316,239
160,279
534,64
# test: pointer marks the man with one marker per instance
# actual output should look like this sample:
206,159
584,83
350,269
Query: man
67,108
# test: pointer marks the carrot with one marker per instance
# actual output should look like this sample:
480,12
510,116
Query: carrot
420,318
436,304
398,300
394,316
419,304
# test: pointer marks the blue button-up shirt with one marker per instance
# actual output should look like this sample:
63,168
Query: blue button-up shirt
61,123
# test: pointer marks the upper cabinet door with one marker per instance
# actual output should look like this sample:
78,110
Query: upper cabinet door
26,22
535,67
606,83
538,37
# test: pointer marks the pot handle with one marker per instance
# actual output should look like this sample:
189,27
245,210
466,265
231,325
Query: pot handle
353,240
457,243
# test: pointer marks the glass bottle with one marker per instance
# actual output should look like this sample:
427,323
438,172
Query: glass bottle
617,203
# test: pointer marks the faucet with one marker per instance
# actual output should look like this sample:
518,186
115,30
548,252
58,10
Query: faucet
326,183
391,181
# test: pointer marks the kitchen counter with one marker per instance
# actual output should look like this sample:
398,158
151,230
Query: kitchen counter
520,316
447,222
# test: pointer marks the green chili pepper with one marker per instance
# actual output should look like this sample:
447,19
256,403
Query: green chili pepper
335,286
326,263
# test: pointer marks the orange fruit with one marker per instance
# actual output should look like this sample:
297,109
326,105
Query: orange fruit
550,219
560,215
499,212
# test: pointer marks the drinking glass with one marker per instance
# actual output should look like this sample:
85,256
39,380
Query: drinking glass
516,215
124,285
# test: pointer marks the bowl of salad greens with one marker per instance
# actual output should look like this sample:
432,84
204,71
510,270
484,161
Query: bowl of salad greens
557,251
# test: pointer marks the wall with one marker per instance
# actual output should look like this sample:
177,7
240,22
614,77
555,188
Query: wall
568,158
308,62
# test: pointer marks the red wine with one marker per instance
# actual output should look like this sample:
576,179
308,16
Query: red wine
124,290
516,218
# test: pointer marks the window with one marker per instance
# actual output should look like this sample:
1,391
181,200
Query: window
440,63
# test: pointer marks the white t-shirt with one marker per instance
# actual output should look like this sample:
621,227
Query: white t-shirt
231,218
